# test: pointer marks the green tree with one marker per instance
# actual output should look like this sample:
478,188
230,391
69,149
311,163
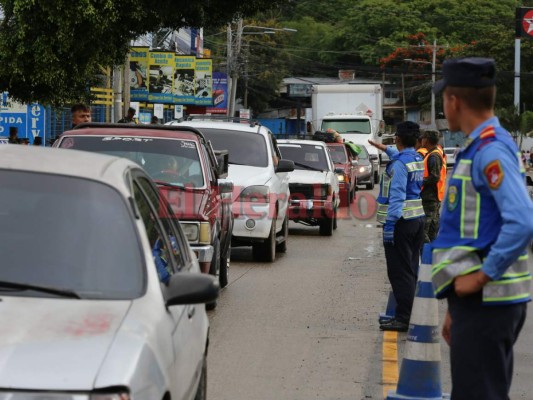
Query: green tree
51,51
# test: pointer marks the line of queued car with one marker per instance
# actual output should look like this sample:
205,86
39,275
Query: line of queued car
115,240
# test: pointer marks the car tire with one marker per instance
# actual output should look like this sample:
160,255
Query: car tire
266,251
201,392
376,176
370,186
335,220
282,247
214,270
354,194
326,226
223,275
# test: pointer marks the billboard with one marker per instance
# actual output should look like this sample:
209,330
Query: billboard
204,82
220,94
161,77
139,59
184,86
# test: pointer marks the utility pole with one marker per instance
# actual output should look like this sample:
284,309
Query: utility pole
229,66
235,68
433,70
117,92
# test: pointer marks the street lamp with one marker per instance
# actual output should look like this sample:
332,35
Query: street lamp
432,63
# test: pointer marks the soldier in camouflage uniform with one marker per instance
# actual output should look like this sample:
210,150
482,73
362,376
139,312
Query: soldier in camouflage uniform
433,179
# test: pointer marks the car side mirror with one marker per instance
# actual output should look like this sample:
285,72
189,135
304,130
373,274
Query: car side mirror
339,170
285,166
355,163
191,288
225,186
222,157
529,181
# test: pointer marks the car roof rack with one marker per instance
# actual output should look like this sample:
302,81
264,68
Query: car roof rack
139,126
204,117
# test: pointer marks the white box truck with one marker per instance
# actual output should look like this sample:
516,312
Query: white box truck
353,110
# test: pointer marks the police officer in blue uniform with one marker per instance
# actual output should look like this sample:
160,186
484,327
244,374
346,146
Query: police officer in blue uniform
402,215
480,253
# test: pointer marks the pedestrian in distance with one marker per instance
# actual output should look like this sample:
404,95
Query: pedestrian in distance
13,135
402,215
480,254
129,118
37,141
154,120
80,113
434,183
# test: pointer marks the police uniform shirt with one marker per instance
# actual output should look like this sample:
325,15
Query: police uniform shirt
497,170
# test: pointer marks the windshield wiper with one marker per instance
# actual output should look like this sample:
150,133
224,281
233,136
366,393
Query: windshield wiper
308,167
170,185
356,132
45,289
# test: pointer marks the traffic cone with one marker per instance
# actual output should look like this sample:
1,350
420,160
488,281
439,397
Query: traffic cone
390,311
420,370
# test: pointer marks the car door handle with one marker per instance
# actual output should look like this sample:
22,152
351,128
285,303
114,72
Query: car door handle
191,311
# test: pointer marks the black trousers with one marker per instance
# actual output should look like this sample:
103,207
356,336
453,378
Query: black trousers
402,263
481,349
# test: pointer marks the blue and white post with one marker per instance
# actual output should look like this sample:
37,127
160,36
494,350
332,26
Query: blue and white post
420,370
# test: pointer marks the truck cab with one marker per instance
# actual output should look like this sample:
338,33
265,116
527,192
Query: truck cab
358,129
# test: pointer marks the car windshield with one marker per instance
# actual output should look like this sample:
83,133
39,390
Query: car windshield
245,148
305,156
338,154
347,125
363,154
173,161
67,233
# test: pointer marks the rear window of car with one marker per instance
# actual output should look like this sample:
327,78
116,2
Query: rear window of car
305,156
338,154
68,233
245,148
174,161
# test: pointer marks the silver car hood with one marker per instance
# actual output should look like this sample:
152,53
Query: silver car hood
54,343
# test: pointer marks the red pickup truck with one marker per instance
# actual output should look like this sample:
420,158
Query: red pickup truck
345,167
187,172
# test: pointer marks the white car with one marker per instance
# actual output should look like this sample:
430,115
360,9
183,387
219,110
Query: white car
314,184
100,289
450,156
261,184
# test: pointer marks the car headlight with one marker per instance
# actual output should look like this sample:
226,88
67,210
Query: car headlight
364,168
197,232
340,177
191,230
255,194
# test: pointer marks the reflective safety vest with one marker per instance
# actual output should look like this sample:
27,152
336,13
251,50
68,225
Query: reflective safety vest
441,184
422,151
412,205
472,226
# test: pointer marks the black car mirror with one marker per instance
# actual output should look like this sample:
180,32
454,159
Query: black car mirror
339,170
355,163
225,186
285,166
529,181
191,288
222,163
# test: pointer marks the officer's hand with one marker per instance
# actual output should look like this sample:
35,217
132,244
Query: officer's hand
470,284
447,328
388,234
379,146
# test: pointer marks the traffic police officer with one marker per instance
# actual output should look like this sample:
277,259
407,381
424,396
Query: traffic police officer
479,255
400,210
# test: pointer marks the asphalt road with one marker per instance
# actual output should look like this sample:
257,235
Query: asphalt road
306,327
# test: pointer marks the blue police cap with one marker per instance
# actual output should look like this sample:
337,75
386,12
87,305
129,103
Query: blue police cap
408,128
474,72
